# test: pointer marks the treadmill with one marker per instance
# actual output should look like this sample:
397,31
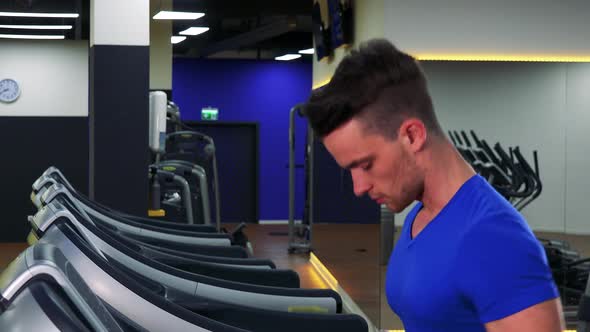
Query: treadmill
155,306
157,237
190,284
53,175
41,291
198,190
227,270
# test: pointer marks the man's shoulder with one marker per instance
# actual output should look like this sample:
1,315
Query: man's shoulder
501,227
486,205
488,216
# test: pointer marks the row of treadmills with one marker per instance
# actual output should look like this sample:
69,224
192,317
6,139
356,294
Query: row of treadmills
95,269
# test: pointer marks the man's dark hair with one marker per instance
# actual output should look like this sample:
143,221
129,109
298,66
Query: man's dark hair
378,83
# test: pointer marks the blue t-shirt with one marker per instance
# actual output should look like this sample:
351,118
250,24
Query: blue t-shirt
477,261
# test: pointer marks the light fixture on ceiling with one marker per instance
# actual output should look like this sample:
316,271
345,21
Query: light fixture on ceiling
193,31
32,36
307,51
177,39
288,57
52,15
35,27
171,15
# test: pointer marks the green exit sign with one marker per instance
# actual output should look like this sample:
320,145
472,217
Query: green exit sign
209,114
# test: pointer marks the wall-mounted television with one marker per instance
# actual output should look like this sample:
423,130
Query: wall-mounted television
332,25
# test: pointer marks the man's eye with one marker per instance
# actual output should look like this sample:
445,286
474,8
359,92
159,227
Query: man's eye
366,167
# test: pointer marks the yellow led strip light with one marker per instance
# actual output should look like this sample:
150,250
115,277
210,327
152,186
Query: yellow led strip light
503,57
490,58
405,330
323,272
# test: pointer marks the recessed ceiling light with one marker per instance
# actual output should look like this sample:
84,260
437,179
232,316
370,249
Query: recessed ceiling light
58,15
177,39
170,15
32,36
193,31
307,51
36,27
288,57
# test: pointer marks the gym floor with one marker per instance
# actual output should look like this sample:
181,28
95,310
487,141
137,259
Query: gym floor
9,251
350,252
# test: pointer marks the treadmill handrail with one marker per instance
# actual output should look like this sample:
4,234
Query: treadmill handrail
202,285
47,261
135,227
50,177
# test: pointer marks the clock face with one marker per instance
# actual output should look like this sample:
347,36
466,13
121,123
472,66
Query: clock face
9,90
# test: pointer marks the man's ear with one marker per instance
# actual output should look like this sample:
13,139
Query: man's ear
412,134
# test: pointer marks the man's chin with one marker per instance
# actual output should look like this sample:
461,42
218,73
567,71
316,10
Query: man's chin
393,208
396,208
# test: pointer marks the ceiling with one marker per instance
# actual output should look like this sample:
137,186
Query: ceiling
265,28
254,29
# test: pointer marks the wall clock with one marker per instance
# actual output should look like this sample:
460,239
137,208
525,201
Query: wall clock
9,90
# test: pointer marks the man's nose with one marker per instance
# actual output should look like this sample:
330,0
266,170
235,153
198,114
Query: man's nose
359,183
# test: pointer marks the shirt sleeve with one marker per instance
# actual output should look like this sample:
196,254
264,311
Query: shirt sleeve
502,268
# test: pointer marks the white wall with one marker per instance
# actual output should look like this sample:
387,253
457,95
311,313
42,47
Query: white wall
524,27
116,22
53,76
577,121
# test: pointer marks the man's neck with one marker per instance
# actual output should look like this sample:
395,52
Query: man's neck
444,176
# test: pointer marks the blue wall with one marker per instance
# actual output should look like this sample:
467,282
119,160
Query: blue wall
252,91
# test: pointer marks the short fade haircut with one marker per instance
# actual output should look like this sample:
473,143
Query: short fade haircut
378,83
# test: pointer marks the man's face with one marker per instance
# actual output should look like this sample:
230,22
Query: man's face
383,168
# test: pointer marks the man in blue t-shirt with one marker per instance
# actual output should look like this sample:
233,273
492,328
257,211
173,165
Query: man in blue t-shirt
466,259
